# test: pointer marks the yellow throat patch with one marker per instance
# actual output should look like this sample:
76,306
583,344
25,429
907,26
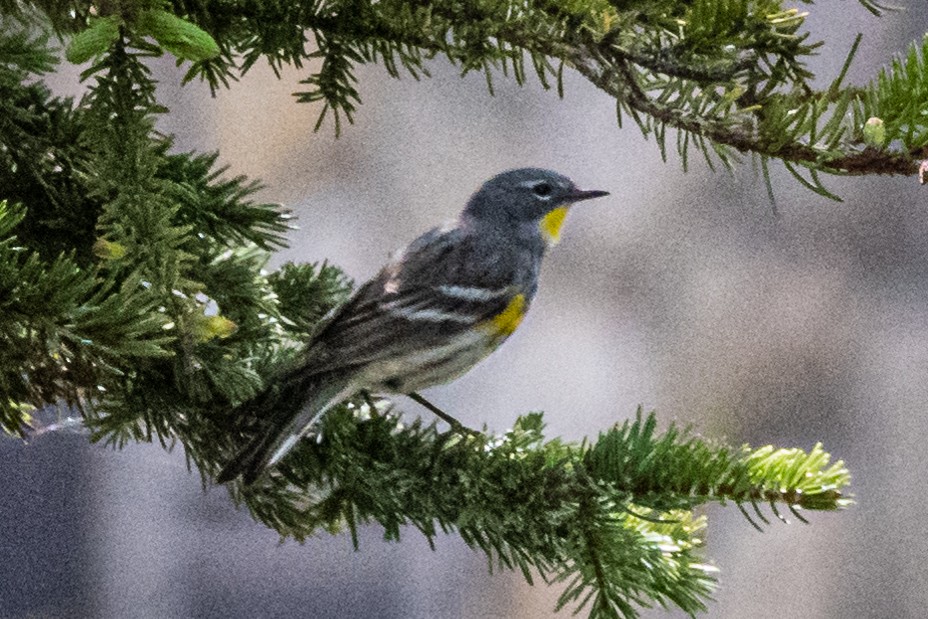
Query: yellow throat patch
507,321
551,224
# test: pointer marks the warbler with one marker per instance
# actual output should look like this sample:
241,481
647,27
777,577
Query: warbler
436,308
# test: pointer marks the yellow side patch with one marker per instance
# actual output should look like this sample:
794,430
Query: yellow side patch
551,224
507,321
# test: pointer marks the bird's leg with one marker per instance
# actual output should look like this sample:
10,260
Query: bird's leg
456,425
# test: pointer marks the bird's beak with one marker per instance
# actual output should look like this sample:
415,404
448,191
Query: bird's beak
578,195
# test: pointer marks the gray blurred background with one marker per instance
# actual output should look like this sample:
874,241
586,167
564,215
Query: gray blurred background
681,292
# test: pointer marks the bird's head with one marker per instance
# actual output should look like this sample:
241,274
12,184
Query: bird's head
527,196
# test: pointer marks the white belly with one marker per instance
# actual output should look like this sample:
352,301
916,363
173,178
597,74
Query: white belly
427,367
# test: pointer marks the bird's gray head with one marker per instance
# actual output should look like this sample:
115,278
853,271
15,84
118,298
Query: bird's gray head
527,196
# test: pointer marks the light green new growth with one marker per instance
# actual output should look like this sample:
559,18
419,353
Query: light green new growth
132,281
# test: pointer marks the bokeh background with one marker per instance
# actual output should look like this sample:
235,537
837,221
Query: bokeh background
684,293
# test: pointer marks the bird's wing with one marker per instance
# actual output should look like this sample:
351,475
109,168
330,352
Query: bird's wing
425,296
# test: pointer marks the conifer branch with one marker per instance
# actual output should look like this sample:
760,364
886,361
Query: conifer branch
612,519
729,77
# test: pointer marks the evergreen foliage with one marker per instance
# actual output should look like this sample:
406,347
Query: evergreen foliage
729,76
132,281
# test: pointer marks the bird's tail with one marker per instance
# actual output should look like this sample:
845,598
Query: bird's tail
285,421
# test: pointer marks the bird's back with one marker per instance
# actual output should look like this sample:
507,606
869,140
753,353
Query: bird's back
443,284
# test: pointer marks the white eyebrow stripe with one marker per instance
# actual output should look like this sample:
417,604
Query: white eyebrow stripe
535,183
473,293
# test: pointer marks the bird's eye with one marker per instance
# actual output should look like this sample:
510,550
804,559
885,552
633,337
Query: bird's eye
542,190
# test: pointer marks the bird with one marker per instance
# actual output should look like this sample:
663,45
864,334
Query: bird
436,309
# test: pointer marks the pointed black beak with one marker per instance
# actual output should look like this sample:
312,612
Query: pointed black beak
578,195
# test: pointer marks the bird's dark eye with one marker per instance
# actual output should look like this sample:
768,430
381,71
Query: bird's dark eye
542,190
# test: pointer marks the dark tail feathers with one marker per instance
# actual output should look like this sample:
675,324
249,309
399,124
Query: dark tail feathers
248,462
288,407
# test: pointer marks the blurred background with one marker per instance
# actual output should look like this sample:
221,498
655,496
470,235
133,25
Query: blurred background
684,293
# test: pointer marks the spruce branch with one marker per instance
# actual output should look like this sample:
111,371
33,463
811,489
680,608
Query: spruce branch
65,334
729,77
128,263
612,518
22,51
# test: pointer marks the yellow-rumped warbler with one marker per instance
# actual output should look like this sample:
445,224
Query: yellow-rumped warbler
437,308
